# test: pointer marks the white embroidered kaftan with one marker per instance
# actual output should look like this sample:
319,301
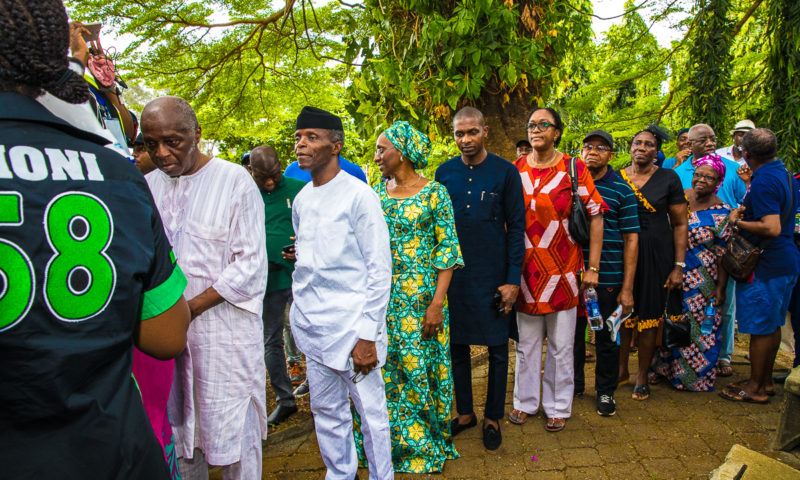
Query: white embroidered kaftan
214,219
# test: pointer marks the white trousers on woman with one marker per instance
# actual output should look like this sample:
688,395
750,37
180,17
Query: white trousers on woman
331,391
558,383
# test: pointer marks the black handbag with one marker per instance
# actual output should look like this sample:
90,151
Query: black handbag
578,216
677,333
741,255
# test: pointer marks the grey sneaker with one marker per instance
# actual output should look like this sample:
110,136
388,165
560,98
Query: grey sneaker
302,389
606,406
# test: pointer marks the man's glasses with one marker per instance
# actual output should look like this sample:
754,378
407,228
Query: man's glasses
599,148
703,140
707,178
542,126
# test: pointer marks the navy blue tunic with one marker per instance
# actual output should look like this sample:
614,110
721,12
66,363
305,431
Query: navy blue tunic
490,221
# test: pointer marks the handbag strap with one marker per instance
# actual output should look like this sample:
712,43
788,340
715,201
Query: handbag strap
572,167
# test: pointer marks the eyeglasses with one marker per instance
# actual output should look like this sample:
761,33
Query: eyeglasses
599,148
707,178
703,140
380,150
540,126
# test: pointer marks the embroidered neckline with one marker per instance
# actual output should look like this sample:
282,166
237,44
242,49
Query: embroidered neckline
638,193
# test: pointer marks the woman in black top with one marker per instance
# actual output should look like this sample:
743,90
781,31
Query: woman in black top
662,248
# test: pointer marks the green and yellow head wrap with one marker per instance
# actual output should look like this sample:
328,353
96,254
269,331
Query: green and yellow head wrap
413,144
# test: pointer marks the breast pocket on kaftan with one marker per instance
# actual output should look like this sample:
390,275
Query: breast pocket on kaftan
204,251
491,206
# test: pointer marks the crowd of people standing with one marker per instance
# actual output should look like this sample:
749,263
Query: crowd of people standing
143,303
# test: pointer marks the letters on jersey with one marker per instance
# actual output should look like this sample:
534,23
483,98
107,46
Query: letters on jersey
33,164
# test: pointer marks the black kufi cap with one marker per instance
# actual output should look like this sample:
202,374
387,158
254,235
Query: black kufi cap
601,134
313,117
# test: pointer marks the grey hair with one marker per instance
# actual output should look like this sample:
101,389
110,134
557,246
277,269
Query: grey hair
337,136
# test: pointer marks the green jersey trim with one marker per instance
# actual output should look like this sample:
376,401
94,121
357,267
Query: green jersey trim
163,297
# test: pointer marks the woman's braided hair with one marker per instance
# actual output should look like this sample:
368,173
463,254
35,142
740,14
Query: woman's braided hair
34,43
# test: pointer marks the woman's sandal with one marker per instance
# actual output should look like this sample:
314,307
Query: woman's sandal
555,424
724,369
654,378
517,417
640,392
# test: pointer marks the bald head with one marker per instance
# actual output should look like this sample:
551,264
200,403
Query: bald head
470,112
176,109
759,146
702,140
264,158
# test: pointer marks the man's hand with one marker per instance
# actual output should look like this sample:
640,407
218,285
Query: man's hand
365,357
682,156
745,174
675,279
625,298
77,43
204,301
735,215
719,296
509,296
292,255
589,279
433,321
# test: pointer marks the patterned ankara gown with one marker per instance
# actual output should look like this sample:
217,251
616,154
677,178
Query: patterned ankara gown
694,367
419,382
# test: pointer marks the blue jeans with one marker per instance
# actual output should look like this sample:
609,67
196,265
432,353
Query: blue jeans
728,322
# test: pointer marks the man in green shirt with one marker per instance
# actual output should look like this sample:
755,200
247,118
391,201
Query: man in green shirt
278,193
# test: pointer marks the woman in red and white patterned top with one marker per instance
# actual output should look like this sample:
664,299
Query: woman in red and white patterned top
550,273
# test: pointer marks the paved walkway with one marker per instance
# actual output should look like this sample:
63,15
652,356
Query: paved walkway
673,435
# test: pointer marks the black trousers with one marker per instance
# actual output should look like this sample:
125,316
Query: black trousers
607,352
496,388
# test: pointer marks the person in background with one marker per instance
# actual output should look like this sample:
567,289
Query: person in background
278,193
214,215
101,78
734,151
523,148
703,141
88,273
550,273
684,150
765,219
490,220
662,252
694,367
617,267
142,158
341,286
419,382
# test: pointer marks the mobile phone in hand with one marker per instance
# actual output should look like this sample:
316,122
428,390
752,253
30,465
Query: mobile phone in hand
94,31
288,249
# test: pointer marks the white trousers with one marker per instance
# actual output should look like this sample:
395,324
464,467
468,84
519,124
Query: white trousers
333,421
249,465
558,383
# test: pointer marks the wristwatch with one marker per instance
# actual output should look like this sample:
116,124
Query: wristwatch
680,264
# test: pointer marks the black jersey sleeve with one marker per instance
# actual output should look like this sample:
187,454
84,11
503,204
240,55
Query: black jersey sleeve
165,281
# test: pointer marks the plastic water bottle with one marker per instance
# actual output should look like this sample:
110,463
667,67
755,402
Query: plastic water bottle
615,321
593,309
709,316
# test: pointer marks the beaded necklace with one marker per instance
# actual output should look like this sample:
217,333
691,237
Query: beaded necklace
638,194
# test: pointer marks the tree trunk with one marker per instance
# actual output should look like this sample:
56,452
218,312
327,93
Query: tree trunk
506,122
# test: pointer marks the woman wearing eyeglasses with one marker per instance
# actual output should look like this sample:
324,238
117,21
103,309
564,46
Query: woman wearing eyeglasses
695,367
662,251
550,273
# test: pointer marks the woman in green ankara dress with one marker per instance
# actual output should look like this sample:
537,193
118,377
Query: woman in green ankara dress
419,383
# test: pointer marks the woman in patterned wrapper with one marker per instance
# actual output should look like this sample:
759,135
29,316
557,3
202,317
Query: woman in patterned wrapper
425,250
694,367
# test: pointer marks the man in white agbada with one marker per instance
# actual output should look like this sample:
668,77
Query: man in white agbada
214,218
341,286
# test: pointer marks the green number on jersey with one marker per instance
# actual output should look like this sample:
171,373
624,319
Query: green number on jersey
17,281
79,228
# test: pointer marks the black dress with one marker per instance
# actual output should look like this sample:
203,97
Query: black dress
656,251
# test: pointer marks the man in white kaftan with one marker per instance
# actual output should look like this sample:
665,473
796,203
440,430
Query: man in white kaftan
341,287
214,217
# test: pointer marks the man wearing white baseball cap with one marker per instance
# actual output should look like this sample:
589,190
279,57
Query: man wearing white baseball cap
734,152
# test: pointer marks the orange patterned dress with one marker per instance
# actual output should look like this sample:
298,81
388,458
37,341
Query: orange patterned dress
553,260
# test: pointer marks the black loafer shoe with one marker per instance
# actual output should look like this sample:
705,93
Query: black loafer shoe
492,438
280,414
302,389
456,428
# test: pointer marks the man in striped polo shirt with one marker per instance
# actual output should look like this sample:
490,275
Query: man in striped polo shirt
617,267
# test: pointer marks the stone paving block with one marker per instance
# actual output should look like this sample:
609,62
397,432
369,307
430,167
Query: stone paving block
549,475
273,464
701,465
299,476
576,438
688,446
630,470
616,452
545,460
653,449
743,423
581,457
586,473
753,441
304,461
664,468
464,467
650,431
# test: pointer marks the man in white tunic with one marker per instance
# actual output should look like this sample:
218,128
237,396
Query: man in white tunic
341,286
214,218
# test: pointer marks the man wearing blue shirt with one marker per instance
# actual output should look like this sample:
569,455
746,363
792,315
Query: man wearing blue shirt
294,171
703,141
766,219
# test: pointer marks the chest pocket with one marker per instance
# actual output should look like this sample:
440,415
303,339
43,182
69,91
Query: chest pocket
211,241
491,206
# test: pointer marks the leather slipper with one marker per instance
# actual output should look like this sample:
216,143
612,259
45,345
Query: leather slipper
740,396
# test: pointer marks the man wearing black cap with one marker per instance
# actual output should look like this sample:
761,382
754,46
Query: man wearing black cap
523,148
617,267
341,286
143,161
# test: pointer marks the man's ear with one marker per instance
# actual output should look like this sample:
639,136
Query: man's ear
198,134
337,147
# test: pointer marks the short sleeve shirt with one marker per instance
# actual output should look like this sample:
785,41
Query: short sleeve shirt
84,258
769,194
622,217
